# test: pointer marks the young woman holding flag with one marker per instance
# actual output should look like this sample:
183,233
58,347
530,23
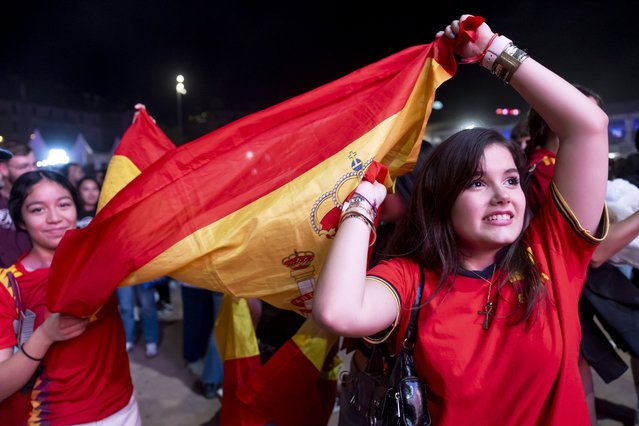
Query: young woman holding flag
498,329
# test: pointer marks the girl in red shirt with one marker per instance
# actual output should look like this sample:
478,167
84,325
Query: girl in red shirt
498,329
82,377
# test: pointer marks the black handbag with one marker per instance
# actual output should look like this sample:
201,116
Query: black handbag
388,391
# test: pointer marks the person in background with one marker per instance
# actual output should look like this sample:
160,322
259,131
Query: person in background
198,310
84,378
520,134
16,160
500,298
74,173
143,294
89,191
100,175
595,349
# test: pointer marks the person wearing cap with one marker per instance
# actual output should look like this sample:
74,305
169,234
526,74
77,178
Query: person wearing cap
16,158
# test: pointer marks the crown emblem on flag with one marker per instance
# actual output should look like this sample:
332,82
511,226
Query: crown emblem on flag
327,209
299,260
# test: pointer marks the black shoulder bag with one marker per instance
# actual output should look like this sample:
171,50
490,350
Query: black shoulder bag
388,391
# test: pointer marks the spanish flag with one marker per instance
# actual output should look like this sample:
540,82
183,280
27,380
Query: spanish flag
250,209
141,145
297,385
237,345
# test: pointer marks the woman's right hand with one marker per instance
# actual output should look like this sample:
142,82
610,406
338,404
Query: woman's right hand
58,327
374,192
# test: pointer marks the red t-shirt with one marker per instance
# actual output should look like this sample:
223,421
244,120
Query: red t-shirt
83,379
512,373
543,162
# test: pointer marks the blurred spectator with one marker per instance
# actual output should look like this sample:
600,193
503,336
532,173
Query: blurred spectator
629,168
143,294
520,134
198,310
89,191
100,175
73,172
13,242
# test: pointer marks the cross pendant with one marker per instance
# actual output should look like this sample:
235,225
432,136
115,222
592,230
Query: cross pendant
488,308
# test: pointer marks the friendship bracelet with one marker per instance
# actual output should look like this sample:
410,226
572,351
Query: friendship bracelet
479,57
29,356
508,62
364,219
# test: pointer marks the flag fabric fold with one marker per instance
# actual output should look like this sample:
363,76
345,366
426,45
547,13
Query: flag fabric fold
297,385
238,348
141,145
249,209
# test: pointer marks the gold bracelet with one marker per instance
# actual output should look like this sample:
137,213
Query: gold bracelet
508,62
361,210
364,219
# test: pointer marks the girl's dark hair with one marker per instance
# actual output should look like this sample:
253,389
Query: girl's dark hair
22,188
426,233
539,130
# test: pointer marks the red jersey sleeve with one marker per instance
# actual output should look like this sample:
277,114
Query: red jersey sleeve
560,245
401,277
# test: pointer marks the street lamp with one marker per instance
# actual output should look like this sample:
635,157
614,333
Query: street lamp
180,90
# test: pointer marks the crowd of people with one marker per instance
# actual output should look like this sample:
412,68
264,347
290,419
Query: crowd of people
505,232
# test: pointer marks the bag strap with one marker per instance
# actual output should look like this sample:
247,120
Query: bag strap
411,331
17,296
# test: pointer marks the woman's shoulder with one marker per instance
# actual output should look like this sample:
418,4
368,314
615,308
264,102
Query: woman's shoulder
397,264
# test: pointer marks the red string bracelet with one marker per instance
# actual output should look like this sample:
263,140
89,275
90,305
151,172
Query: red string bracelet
478,58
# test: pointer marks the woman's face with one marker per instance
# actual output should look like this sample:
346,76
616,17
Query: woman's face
489,213
89,193
47,213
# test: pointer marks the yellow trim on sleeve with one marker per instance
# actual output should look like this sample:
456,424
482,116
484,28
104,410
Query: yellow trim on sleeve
398,303
569,215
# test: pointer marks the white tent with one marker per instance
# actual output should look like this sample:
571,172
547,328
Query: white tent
81,151
38,146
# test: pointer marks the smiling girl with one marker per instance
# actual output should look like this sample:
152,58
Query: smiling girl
70,370
498,330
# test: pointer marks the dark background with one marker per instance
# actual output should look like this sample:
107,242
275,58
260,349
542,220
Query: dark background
249,55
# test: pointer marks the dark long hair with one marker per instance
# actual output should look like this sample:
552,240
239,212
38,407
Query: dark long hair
22,188
426,233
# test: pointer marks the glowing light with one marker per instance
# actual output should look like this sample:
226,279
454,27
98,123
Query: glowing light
179,78
180,88
437,105
56,156
249,155
1,139
514,111
469,125
498,111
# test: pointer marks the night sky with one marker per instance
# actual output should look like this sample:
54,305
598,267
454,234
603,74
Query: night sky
247,55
